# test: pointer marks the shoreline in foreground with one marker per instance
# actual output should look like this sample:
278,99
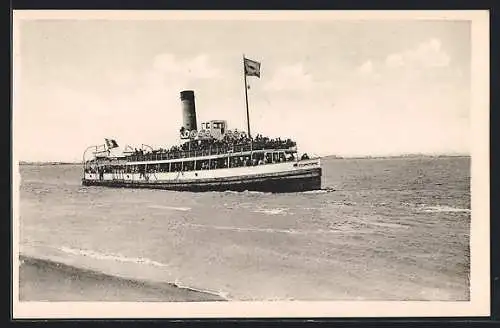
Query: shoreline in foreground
45,280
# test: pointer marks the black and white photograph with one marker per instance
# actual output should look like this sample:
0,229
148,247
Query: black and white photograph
250,164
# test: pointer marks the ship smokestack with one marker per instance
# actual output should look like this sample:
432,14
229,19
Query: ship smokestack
188,110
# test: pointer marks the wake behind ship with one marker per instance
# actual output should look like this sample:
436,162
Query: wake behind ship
212,158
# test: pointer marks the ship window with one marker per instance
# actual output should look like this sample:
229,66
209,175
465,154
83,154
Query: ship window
236,161
150,168
163,167
247,161
290,156
202,165
176,167
188,166
257,156
220,163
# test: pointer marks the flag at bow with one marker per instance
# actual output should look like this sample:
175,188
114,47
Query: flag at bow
111,143
252,67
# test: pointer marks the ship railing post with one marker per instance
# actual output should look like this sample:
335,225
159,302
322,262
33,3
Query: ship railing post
209,158
84,159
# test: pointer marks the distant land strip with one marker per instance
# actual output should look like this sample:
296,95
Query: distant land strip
47,163
324,157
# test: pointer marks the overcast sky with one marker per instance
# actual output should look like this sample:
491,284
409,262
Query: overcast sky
336,87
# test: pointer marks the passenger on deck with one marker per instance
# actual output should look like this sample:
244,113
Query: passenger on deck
217,146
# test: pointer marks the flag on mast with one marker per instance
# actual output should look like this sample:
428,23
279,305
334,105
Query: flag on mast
252,67
111,143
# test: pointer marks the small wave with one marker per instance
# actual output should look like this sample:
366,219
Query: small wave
162,207
253,192
221,294
319,191
245,192
270,230
272,211
443,209
25,181
337,204
112,257
41,191
388,225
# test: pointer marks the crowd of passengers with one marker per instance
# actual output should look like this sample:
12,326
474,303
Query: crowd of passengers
216,146
218,163
225,162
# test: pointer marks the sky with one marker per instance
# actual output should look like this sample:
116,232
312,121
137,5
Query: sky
347,88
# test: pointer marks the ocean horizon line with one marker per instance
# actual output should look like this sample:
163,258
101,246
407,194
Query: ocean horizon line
410,155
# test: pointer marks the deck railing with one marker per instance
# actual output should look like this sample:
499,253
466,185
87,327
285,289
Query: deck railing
166,155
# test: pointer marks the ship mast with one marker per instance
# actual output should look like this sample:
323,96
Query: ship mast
246,97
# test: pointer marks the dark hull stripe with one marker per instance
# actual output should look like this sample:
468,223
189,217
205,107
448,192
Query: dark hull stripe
287,182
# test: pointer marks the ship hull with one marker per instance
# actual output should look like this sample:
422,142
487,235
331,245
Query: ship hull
278,182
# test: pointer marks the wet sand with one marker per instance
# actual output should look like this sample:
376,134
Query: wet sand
42,280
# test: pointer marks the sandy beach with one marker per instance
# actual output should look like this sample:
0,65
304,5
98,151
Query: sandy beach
43,280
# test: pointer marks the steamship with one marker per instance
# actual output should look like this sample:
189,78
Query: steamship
212,158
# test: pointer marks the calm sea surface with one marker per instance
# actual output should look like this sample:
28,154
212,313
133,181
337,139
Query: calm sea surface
382,229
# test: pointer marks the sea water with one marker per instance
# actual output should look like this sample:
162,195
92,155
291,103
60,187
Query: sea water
380,229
